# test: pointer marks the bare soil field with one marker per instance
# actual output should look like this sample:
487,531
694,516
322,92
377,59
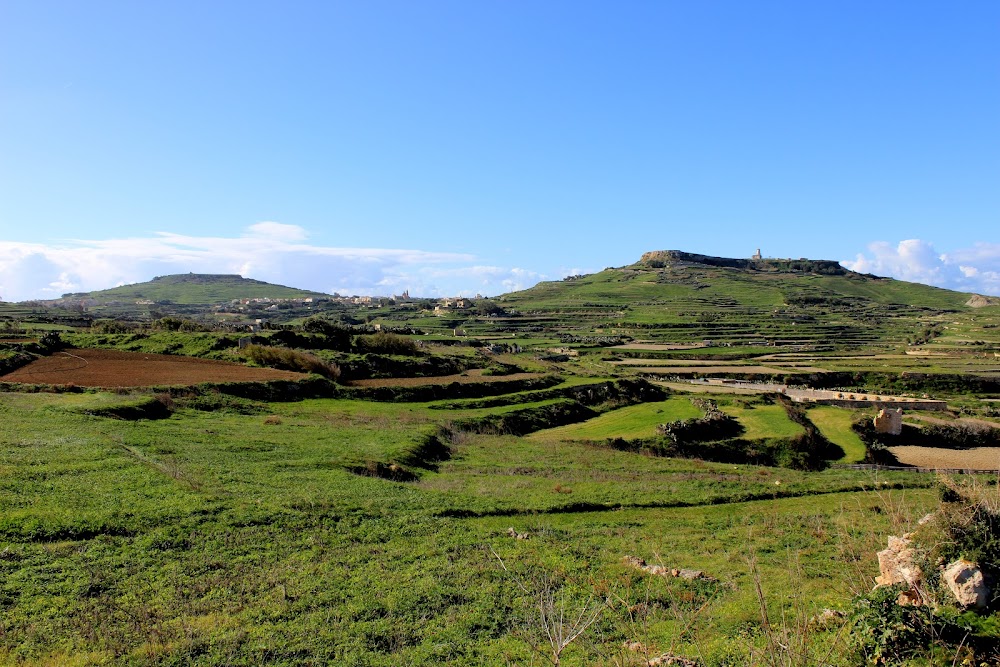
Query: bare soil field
670,362
981,458
658,346
962,421
705,388
471,376
749,370
111,368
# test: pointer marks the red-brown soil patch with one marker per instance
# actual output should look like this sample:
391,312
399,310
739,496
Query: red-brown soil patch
468,377
111,368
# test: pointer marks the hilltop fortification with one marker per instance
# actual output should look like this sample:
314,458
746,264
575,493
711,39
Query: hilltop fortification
666,258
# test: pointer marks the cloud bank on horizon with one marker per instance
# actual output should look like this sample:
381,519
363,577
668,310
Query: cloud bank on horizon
269,251
975,269
280,253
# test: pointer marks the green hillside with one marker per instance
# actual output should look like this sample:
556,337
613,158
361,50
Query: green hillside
483,474
195,289
677,297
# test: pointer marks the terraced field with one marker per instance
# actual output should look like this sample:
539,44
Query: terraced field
432,522
112,368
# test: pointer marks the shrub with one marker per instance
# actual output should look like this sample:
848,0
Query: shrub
714,425
386,343
113,327
178,324
215,401
290,360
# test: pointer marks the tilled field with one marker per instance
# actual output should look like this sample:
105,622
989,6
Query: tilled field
111,368
474,375
980,458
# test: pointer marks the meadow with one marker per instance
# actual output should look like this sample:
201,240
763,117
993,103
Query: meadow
254,533
480,488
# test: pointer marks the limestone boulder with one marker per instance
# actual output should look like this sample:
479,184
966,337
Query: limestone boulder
897,564
966,582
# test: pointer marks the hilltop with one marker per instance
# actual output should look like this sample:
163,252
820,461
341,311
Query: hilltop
193,289
678,296
667,296
663,258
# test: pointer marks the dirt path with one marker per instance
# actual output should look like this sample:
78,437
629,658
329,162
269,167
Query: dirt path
658,346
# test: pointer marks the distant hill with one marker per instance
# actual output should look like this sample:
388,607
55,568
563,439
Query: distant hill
678,296
193,289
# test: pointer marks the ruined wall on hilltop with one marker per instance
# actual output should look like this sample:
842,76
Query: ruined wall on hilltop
662,258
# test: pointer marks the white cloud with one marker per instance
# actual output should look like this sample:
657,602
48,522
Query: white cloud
269,251
975,269
278,231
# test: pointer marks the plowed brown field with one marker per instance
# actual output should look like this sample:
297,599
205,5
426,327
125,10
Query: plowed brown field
111,368
980,458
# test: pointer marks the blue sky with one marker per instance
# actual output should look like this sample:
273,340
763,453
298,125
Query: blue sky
462,147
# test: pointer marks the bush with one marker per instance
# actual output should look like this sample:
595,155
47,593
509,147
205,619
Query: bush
178,324
215,401
386,343
335,336
713,425
113,327
290,360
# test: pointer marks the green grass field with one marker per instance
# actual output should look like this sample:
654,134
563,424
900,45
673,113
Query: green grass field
227,538
230,531
636,421
835,425
763,421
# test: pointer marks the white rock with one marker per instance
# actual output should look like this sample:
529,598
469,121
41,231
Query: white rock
965,581
896,564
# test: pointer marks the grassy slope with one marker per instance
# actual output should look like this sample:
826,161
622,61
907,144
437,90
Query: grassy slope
637,421
835,425
217,538
213,538
698,285
698,302
199,289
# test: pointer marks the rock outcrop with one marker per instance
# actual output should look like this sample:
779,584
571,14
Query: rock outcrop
678,258
980,301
